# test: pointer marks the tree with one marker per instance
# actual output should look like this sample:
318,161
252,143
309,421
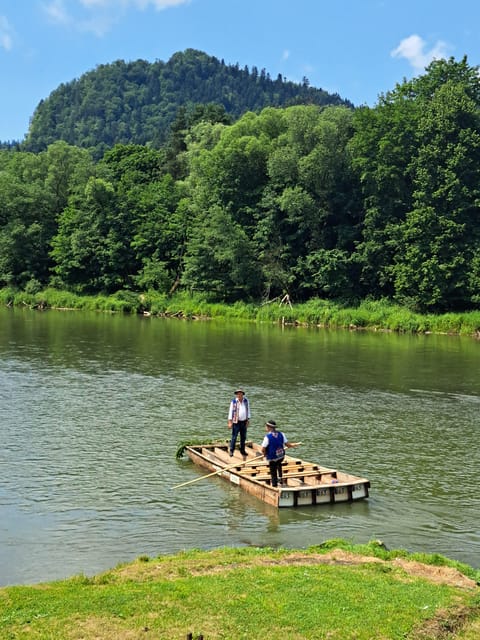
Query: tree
284,177
382,148
416,156
137,102
220,259
439,239
34,189
92,247
185,120
311,205
160,234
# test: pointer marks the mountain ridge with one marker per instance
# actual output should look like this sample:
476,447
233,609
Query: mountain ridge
136,102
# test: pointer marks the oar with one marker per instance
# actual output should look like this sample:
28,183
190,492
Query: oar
214,473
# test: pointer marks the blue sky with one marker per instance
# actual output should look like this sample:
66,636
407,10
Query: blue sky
357,48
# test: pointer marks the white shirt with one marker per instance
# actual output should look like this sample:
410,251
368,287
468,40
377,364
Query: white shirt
242,410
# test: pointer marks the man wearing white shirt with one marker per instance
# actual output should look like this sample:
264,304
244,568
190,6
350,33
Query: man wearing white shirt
238,420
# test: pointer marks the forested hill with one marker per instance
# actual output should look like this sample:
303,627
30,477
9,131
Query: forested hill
136,102
317,202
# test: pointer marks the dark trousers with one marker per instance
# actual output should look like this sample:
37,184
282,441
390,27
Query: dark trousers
275,470
239,427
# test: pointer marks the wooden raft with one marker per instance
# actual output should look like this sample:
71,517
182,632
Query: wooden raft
304,483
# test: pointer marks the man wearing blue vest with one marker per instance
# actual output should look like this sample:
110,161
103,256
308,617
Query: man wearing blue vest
238,420
273,448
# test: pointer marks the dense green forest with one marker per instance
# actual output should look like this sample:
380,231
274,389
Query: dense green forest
136,102
315,201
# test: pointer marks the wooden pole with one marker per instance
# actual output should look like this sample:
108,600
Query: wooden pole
254,460
214,473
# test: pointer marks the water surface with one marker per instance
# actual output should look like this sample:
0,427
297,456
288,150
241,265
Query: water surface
93,407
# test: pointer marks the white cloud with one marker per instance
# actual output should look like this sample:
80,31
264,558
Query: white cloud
286,54
57,12
163,4
6,34
98,16
97,19
413,50
99,25
136,4
96,3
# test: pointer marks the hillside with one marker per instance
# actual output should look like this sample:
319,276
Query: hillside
135,102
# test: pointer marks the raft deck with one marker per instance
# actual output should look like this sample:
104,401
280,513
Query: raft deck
304,483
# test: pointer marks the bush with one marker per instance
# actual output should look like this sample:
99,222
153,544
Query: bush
370,314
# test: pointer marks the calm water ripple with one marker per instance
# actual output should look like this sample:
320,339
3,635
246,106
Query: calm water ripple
93,407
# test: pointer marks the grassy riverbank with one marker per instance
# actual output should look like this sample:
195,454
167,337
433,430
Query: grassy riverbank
373,315
335,591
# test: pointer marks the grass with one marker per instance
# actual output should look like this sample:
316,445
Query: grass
370,314
182,445
335,591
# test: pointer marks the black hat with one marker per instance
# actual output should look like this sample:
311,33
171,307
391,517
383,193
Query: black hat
271,423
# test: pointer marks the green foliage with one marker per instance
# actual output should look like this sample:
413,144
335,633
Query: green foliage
138,102
370,314
257,229
7,296
50,298
34,189
92,249
430,266
317,202
220,259
189,443
417,156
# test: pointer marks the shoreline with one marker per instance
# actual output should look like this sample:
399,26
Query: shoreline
377,316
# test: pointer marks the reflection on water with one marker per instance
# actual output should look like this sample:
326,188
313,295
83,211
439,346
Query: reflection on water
93,407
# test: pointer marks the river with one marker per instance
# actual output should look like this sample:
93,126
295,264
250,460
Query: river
94,406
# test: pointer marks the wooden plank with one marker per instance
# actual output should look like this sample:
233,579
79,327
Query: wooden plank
296,474
254,468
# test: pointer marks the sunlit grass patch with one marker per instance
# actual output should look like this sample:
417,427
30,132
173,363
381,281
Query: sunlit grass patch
335,590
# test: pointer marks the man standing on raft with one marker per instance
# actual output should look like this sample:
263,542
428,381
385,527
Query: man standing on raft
273,448
238,420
